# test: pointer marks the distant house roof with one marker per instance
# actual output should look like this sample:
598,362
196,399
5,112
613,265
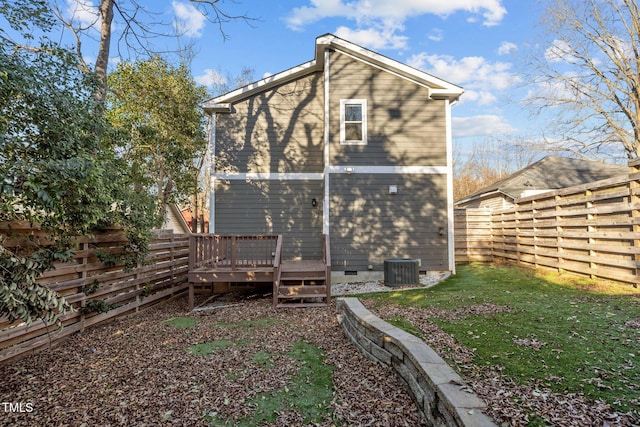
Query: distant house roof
173,220
550,173
438,88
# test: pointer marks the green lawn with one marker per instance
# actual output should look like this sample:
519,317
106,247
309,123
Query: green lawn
570,334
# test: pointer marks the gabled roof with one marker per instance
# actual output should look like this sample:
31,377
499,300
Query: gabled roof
438,88
550,173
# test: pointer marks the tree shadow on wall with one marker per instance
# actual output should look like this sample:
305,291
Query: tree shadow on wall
282,131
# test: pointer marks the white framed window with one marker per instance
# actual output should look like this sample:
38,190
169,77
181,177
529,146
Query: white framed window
353,121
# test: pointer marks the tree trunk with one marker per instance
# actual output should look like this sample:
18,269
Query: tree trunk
102,61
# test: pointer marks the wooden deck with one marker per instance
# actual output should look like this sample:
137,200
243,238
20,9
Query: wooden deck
258,259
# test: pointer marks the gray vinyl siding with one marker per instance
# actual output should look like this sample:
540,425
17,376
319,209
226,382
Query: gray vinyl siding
405,127
280,130
273,207
368,225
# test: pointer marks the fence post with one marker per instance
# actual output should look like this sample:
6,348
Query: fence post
558,218
634,199
84,249
517,229
591,228
534,228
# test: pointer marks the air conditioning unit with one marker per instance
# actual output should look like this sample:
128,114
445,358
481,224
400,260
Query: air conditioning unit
401,272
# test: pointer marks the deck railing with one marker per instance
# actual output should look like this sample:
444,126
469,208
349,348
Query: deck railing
231,251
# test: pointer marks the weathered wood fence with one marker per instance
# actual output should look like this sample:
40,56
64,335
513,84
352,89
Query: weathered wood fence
591,229
88,281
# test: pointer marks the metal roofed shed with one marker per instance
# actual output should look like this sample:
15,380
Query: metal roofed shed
401,272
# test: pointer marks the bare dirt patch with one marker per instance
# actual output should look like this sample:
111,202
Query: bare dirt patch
144,370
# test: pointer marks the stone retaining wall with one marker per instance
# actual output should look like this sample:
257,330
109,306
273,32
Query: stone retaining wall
437,390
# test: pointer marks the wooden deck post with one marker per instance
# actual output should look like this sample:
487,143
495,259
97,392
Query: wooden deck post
234,248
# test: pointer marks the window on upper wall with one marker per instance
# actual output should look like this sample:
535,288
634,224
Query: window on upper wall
353,121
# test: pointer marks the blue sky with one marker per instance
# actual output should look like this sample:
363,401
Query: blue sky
473,43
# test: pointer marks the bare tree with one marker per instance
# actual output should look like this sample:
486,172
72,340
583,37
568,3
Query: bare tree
139,28
587,75
490,161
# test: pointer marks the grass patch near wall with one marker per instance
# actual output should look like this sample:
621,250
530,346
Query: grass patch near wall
210,347
572,335
182,322
262,359
404,324
309,391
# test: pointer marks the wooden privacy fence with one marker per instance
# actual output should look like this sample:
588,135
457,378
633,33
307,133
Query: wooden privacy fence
89,283
473,235
591,229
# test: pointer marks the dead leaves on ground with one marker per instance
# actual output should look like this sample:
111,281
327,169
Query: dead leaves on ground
140,371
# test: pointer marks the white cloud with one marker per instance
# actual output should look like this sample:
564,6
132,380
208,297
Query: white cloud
319,9
506,48
373,38
482,98
474,73
365,11
435,35
558,50
481,125
210,78
83,13
189,20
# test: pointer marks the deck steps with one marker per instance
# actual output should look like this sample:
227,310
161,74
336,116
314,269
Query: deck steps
303,283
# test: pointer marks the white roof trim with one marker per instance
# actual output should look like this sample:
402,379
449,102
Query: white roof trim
386,63
469,199
438,88
217,108
260,85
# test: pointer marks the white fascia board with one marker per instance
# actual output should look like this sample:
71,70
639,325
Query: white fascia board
210,108
438,88
437,85
264,84
271,176
481,196
452,96
409,170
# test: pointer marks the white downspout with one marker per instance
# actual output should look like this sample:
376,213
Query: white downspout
325,204
212,172
450,213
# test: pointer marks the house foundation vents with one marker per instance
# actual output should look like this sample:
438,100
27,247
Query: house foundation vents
401,272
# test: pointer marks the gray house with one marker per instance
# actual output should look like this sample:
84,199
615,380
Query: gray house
547,174
351,144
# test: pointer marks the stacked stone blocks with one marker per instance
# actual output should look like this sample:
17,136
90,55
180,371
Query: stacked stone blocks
438,391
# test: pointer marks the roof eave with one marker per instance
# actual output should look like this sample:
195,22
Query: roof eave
482,196
211,107
261,85
438,88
